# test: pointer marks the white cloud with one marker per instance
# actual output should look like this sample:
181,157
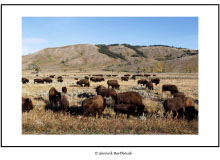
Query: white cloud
34,40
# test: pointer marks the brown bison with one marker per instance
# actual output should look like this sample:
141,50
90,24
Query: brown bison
108,75
26,104
155,80
114,75
76,78
142,81
38,81
149,85
59,77
131,98
60,80
106,92
84,82
52,76
179,105
133,77
54,96
128,109
179,94
97,79
64,89
127,75
124,78
113,84
93,106
169,87
47,80
146,75
25,80
86,77
64,103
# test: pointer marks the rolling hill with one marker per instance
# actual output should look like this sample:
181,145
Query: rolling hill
115,57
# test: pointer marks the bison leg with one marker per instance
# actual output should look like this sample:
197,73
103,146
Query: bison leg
100,113
174,114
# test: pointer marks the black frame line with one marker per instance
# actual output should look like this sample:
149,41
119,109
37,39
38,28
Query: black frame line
111,5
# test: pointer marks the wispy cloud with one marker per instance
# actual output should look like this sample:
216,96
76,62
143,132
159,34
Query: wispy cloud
33,40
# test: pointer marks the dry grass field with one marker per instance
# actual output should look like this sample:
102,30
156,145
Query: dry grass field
43,121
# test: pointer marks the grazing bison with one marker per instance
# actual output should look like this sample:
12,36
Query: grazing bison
155,80
131,98
64,89
127,75
113,84
180,105
25,80
38,81
124,78
76,78
86,77
93,105
142,81
84,82
54,96
106,92
179,94
146,75
124,109
52,76
133,77
47,80
59,77
149,85
26,104
97,79
169,87
59,80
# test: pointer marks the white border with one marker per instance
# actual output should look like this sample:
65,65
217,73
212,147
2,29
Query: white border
11,76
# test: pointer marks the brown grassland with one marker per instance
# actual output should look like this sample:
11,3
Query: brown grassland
41,121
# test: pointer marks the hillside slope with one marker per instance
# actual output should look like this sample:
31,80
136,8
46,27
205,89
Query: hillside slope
123,57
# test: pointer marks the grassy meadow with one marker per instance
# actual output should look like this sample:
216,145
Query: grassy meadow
43,121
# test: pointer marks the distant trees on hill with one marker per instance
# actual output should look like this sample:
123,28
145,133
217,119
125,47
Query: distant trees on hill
104,50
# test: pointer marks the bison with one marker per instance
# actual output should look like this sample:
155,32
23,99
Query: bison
169,87
25,80
131,98
26,104
113,84
124,78
106,92
93,105
47,80
86,77
52,76
84,82
60,80
142,81
54,96
64,103
38,81
124,109
149,85
146,75
155,80
127,75
180,105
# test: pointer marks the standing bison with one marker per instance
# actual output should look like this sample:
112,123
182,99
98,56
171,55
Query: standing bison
54,96
26,104
149,85
124,78
93,106
25,80
113,84
84,82
38,81
106,92
180,105
131,98
169,87
155,80
142,81
47,80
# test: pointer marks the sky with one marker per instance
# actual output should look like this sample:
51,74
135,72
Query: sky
47,32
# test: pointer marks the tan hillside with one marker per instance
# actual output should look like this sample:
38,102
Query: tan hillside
86,57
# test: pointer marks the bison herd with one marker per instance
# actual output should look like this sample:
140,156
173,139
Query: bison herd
129,103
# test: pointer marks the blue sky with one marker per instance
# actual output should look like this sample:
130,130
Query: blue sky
44,32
